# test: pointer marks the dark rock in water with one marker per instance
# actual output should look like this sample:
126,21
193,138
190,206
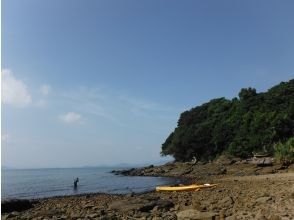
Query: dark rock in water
16,205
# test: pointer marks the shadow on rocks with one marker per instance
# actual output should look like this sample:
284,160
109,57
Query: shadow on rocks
16,205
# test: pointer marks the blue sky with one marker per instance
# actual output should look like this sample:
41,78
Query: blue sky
104,81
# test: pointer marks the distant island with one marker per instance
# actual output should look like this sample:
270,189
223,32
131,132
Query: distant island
252,122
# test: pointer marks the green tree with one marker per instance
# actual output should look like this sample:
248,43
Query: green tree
252,122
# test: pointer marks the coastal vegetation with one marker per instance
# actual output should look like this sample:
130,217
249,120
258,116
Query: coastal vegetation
284,152
251,122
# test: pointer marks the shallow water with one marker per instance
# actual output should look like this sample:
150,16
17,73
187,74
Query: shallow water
39,183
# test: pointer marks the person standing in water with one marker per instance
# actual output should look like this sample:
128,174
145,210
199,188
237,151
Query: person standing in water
76,182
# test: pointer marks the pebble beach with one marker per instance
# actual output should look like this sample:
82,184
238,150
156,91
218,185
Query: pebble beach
244,191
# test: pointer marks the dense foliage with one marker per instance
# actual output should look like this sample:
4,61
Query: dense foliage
284,152
252,122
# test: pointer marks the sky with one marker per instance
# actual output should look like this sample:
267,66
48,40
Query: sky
103,82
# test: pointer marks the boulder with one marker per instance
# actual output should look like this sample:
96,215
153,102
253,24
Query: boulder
196,215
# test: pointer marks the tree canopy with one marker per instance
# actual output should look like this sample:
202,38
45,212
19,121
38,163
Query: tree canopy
252,122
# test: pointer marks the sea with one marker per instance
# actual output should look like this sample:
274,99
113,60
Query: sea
40,183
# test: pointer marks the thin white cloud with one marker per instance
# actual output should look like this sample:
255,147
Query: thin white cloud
45,89
71,118
95,101
139,103
116,107
144,108
5,137
14,91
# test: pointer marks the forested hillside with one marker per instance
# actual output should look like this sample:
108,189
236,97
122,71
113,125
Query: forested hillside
250,123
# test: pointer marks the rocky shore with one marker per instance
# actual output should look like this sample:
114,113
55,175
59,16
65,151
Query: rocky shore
245,191
222,166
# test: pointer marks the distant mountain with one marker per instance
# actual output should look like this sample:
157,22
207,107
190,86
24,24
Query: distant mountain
250,122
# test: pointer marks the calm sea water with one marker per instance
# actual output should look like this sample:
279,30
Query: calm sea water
38,183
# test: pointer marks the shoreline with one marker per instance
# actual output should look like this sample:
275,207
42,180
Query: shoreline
254,193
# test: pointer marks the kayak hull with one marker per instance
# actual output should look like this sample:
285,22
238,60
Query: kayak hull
192,187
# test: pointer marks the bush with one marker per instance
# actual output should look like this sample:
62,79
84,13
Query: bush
284,152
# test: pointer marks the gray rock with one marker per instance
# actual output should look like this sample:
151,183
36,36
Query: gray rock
125,205
194,214
157,218
135,204
177,207
263,199
140,204
92,215
232,217
227,202
15,213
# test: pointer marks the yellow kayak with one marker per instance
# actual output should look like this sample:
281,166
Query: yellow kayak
192,187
